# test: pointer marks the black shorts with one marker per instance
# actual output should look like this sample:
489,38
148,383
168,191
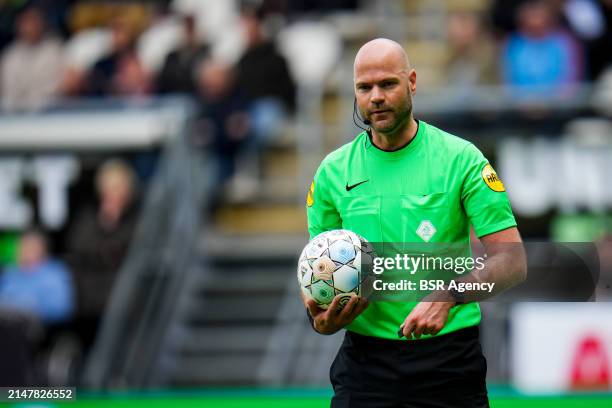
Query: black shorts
445,371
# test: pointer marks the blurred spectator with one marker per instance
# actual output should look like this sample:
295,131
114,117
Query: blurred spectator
56,12
31,67
223,116
178,74
540,57
38,284
472,56
590,21
121,72
218,20
73,82
604,250
263,77
99,239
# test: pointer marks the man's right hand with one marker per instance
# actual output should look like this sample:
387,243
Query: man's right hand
334,318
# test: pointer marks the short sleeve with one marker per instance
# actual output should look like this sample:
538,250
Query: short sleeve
321,211
483,194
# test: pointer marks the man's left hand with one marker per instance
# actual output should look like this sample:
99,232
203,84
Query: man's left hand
426,318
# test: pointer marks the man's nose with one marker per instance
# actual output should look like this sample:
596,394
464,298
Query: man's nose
377,96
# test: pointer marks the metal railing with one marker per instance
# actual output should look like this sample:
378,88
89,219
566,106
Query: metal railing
140,310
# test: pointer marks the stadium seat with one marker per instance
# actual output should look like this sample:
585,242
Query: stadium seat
158,41
312,49
87,47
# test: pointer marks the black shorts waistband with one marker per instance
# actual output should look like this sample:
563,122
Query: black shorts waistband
469,333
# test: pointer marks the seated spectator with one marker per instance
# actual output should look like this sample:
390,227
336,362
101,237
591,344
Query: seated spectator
99,239
472,57
262,75
539,57
224,118
121,72
178,74
31,67
38,285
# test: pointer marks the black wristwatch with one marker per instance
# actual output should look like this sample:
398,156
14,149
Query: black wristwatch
312,323
458,297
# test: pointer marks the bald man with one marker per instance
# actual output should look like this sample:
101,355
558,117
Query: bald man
405,181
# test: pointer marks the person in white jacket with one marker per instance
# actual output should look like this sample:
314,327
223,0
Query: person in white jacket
31,66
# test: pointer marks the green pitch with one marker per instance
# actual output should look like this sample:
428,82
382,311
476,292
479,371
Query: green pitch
289,399
307,403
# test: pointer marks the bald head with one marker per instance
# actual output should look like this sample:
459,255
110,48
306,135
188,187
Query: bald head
384,85
382,52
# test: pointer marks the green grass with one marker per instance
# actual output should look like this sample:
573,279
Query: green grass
291,398
550,402
306,403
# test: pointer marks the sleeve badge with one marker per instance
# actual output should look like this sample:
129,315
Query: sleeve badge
491,179
310,195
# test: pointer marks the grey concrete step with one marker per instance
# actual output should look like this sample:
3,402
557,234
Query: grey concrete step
234,308
217,340
223,369
252,281
262,219
248,247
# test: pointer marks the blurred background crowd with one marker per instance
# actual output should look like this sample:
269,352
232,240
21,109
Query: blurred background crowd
268,84
106,48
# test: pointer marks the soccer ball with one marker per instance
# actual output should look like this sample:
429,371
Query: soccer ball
334,263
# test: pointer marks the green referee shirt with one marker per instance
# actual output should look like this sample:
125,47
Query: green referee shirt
431,190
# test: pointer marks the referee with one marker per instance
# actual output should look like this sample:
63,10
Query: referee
404,180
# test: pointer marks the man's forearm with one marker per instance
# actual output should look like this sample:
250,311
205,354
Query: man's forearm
504,268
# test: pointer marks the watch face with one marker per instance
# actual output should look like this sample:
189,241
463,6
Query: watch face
458,296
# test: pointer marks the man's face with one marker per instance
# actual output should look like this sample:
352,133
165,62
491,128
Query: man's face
215,80
535,19
122,35
32,250
383,92
30,26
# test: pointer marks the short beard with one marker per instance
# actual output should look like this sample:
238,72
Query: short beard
402,119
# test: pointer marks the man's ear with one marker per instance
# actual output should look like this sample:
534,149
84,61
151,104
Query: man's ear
412,81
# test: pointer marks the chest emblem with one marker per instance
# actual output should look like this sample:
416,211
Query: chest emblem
349,188
426,230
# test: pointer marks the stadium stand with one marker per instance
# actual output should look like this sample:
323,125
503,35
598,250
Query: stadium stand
195,287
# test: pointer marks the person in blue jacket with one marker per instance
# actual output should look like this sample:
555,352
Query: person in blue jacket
37,284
